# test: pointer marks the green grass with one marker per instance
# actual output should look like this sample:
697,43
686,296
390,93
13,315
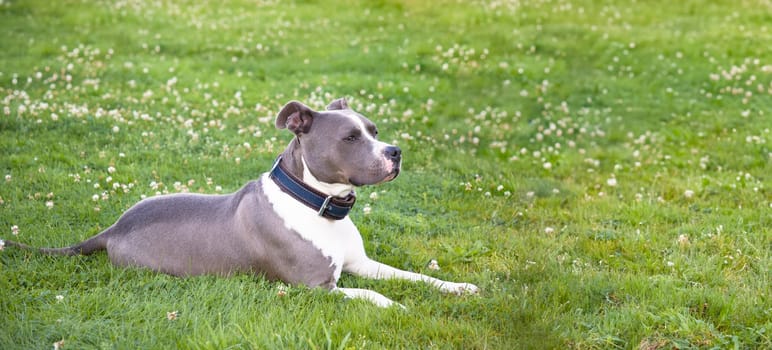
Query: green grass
601,169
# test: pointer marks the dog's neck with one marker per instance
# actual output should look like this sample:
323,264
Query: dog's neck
331,189
297,166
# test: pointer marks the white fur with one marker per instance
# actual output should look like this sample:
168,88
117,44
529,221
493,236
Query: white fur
329,236
372,296
337,190
341,241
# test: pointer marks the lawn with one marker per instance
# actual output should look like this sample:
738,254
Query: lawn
602,170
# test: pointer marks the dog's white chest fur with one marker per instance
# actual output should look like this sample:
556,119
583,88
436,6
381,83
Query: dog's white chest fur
332,237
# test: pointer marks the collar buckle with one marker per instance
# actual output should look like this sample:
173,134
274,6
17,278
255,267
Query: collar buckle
325,205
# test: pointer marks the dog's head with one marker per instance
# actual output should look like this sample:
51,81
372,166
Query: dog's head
339,145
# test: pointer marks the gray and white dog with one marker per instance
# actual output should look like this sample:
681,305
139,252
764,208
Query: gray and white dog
290,225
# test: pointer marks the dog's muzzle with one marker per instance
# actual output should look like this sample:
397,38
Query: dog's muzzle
394,154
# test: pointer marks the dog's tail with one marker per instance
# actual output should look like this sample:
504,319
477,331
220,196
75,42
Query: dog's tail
86,247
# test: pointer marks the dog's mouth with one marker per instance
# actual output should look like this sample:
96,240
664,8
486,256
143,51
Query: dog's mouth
393,175
389,177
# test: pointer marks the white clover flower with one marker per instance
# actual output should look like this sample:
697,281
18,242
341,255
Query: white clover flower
367,210
683,240
547,165
172,315
549,230
282,290
49,204
374,195
434,265
688,193
15,230
612,182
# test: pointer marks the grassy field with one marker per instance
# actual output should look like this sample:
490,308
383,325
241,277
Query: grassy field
601,169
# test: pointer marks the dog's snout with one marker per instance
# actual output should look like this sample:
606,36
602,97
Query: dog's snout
393,152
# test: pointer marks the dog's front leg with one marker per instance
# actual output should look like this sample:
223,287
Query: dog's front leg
374,297
367,267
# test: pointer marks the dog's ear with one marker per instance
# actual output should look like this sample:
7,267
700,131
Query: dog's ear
296,117
338,104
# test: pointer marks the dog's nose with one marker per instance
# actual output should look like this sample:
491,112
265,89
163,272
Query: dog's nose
394,153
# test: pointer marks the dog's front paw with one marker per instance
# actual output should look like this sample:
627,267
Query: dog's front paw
460,288
374,297
382,301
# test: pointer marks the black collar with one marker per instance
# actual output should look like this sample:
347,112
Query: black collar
327,206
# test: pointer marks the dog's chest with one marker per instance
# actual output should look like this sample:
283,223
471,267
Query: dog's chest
329,236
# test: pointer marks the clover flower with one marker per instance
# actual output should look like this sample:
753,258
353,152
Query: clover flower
683,240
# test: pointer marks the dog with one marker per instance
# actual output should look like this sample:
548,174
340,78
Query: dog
290,225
